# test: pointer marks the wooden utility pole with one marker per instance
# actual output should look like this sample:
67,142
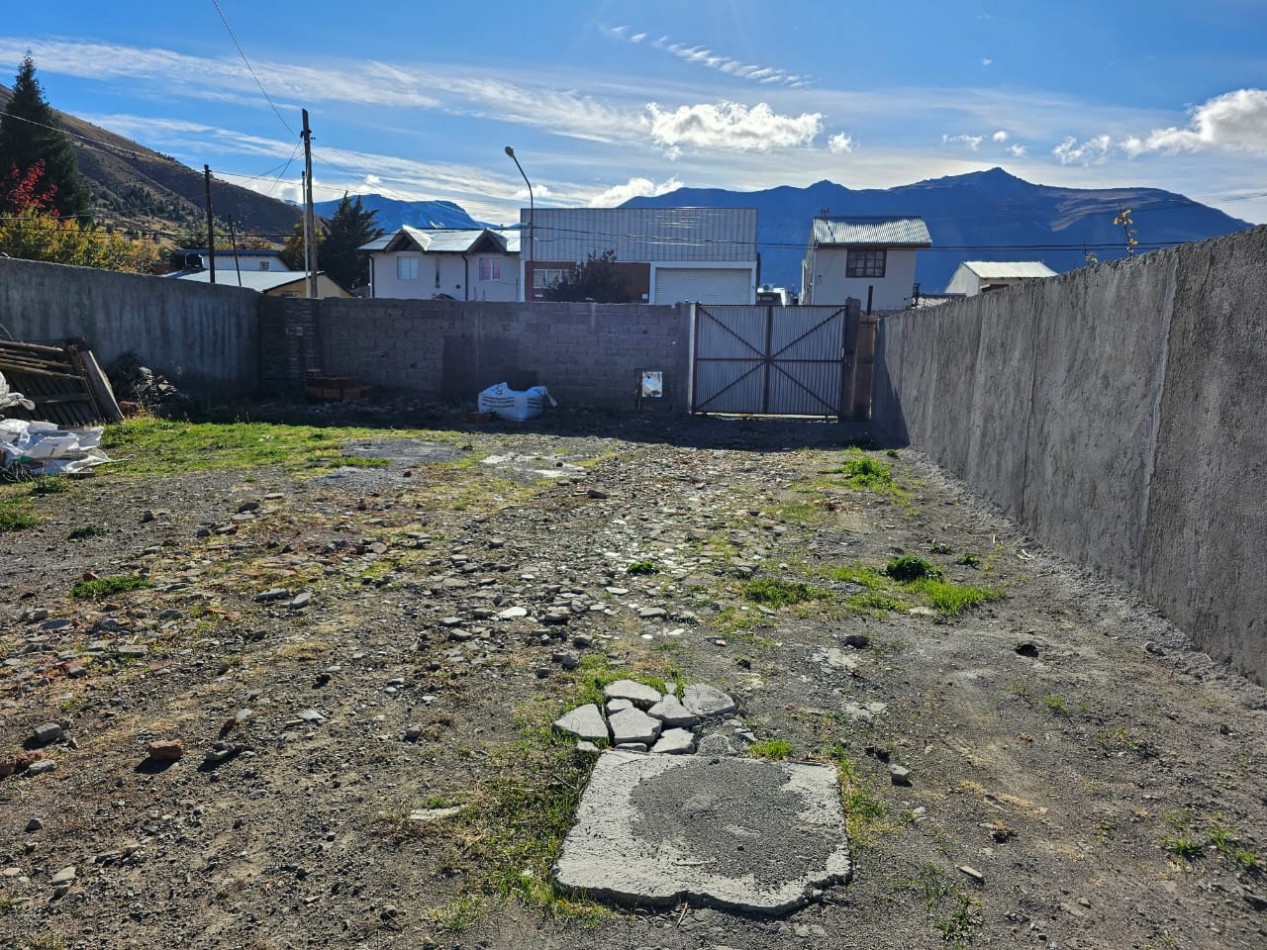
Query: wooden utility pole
310,219
233,241
211,228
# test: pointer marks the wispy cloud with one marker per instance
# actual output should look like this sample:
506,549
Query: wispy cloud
970,142
729,125
1017,151
1092,151
703,56
839,144
634,187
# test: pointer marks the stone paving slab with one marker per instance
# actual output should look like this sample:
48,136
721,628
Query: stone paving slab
733,832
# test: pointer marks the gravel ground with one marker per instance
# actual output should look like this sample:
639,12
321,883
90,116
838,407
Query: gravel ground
1079,774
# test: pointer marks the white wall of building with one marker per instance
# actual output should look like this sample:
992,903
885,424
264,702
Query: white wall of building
443,274
831,286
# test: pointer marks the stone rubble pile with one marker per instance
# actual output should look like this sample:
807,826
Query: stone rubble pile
638,718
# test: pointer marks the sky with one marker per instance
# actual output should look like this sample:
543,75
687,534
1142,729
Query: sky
605,100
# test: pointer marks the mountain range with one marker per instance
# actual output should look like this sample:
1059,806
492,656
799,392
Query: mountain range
986,215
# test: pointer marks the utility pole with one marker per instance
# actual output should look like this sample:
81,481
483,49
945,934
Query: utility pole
233,240
310,220
211,230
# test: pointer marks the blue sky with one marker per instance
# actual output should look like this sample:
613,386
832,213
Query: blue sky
604,100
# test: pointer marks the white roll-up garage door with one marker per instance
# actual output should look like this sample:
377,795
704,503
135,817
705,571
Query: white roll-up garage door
703,285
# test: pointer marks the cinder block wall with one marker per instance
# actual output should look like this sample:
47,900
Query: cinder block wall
1119,413
587,355
203,338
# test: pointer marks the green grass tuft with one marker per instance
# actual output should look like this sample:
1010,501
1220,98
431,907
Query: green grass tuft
13,518
775,750
104,587
908,569
772,592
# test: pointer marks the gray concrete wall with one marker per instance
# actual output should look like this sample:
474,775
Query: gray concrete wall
203,338
1116,412
587,355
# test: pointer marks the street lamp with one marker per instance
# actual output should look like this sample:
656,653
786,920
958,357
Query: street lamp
532,214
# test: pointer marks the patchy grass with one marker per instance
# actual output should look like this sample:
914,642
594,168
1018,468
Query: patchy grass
104,587
776,750
149,446
14,518
950,599
958,913
87,531
644,568
866,473
1056,704
904,570
866,816
772,592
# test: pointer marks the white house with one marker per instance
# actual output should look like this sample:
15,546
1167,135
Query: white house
452,263
869,258
666,255
227,260
973,277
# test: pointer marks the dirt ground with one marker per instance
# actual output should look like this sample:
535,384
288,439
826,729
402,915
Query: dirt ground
1079,774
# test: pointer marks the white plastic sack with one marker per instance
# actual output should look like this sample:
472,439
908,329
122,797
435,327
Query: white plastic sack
9,398
513,404
44,449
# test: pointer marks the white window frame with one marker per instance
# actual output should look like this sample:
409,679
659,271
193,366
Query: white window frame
407,267
490,268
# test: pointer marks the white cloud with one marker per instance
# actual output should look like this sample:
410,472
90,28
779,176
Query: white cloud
999,136
1235,120
703,56
729,125
970,142
839,144
986,62
1094,151
1017,151
634,187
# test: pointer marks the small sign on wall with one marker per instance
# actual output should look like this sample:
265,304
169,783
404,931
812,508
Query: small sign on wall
652,384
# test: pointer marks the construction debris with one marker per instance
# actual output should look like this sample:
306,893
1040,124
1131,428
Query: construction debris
63,384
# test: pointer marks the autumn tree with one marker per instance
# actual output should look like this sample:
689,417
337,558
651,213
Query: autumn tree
30,133
598,278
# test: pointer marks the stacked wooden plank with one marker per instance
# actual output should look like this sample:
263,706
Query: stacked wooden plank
65,383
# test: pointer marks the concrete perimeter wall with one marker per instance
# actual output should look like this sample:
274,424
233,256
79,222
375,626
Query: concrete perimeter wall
203,338
587,355
1119,413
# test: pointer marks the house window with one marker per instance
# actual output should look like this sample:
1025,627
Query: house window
543,278
406,268
264,265
867,263
490,268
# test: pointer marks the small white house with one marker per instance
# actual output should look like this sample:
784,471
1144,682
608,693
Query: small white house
869,258
445,263
974,277
227,260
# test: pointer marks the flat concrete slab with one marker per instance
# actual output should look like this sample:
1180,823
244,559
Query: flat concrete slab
732,832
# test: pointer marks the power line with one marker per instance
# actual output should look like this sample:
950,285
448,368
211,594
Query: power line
249,68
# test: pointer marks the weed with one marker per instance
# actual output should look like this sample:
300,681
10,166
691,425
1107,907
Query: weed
874,603
859,574
968,560
13,518
1116,740
867,473
939,548
771,592
87,531
456,915
1017,688
865,815
773,749
103,587
48,486
1182,847
907,569
644,568
950,600
964,922
1056,704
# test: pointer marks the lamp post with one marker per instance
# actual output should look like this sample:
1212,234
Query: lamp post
532,214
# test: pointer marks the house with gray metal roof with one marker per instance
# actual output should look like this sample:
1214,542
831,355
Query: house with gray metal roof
288,283
974,277
665,255
452,263
869,258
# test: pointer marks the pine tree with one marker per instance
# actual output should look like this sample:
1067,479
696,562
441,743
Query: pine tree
30,133
350,227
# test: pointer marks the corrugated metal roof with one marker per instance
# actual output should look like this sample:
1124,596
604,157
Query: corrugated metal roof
1009,270
874,231
443,240
258,280
643,234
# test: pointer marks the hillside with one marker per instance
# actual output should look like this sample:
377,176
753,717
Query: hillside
988,215
139,190
391,213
